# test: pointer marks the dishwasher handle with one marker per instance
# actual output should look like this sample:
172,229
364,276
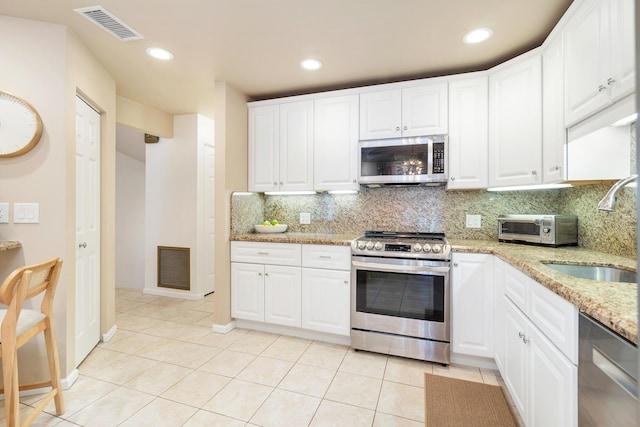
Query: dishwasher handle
613,371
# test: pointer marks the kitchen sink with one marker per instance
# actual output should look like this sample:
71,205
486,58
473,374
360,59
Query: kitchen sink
595,272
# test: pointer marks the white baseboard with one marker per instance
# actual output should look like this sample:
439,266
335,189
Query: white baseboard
110,333
475,361
294,332
70,379
173,293
66,384
223,329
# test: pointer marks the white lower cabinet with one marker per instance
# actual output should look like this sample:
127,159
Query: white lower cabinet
326,301
472,304
498,314
292,285
541,380
326,293
282,295
537,352
266,293
247,291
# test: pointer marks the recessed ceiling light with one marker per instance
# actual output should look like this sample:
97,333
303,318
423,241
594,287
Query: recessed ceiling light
159,53
311,64
478,35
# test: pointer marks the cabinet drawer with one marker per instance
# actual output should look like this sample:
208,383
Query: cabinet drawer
515,286
266,253
326,256
557,318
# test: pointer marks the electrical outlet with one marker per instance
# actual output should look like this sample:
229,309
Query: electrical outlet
305,218
4,213
474,221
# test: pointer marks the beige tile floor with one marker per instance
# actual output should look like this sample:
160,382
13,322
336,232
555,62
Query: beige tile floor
164,367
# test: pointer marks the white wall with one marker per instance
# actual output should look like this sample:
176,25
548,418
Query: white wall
47,66
34,69
130,226
171,192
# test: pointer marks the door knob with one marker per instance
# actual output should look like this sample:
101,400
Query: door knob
82,245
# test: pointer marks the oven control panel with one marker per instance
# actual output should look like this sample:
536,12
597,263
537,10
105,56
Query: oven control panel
418,249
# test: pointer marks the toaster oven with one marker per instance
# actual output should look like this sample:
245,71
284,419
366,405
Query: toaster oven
548,230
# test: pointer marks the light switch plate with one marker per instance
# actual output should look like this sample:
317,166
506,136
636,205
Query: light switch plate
26,213
305,218
4,213
474,221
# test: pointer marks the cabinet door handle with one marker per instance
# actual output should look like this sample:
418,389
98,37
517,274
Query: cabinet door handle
534,173
397,128
263,253
520,335
266,274
324,257
453,178
601,88
346,282
611,81
525,340
259,274
455,264
405,128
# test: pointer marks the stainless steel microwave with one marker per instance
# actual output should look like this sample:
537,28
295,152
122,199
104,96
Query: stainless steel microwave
403,161
549,230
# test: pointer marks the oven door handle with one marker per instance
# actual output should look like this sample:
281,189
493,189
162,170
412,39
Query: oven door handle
396,268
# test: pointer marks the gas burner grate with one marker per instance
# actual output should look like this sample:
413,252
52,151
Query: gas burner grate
403,234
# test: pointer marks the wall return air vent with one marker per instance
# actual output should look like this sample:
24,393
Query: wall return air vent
108,22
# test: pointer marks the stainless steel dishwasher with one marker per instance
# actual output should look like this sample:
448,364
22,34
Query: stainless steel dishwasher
607,377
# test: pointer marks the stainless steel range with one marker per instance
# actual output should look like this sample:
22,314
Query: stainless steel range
400,294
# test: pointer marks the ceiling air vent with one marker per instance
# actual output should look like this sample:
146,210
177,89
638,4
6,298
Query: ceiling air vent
105,20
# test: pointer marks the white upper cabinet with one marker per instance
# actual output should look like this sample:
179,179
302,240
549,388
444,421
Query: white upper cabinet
515,122
335,145
264,151
554,134
468,133
381,114
281,147
599,57
296,146
411,111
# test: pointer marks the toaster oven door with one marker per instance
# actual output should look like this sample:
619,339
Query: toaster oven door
525,230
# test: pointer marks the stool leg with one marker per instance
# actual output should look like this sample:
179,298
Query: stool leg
54,366
11,385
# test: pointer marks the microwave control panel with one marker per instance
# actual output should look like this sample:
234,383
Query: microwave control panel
438,157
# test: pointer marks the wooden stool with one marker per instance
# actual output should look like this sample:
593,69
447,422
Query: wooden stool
19,326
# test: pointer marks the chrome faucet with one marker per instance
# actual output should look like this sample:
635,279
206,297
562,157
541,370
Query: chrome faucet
609,200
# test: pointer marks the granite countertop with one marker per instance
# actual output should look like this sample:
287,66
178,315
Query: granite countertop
612,304
303,238
5,245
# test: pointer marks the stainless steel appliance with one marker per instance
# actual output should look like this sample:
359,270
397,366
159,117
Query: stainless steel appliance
548,230
607,377
403,161
400,294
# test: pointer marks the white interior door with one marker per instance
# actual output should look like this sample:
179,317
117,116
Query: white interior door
87,230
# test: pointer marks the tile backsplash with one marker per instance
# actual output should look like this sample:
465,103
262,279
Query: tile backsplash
438,210
435,209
